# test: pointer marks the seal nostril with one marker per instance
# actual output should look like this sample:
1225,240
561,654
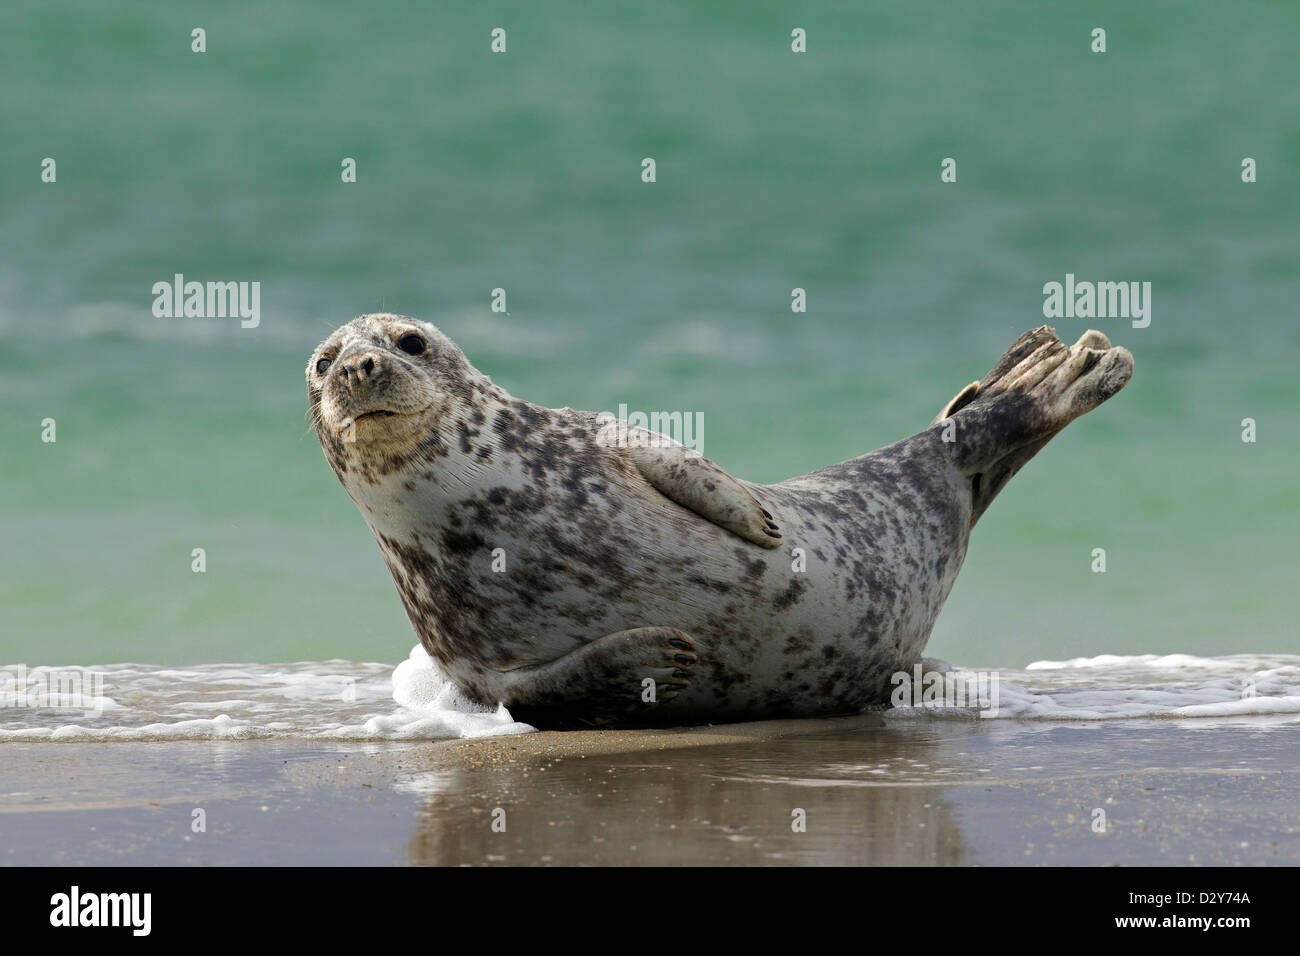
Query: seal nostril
368,365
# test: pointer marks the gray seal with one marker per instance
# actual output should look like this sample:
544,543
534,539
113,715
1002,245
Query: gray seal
585,572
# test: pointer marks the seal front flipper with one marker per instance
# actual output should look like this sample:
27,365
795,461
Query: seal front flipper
696,483
602,683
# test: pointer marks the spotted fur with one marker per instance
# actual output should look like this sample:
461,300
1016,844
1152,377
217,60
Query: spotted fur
608,581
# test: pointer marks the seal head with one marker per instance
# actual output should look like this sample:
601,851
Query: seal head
388,394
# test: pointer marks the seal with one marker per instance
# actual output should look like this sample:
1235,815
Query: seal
585,572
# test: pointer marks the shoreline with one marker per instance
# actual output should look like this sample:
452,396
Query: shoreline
865,790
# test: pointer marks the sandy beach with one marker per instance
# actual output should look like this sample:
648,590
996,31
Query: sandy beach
869,791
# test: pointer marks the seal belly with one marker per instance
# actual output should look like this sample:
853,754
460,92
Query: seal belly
872,549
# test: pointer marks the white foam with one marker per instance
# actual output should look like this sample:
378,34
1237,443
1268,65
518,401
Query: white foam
344,700
1166,662
432,706
1117,687
323,700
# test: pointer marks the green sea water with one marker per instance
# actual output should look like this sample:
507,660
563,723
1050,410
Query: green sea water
522,171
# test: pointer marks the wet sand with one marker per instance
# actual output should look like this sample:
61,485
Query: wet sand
870,791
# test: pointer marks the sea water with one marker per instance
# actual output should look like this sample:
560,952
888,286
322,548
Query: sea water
179,437
343,700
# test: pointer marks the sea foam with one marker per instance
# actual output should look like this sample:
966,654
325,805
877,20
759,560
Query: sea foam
1141,686
345,700
325,700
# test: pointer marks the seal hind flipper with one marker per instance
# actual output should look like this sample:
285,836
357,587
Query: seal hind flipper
1038,387
701,486
603,682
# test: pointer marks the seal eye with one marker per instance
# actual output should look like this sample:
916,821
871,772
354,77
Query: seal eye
323,366
411,344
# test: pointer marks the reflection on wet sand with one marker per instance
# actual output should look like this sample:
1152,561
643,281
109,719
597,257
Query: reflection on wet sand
855,794
875,790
